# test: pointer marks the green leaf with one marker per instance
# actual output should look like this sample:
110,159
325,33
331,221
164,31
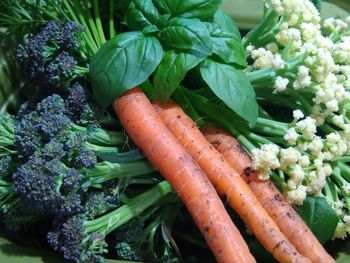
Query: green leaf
141,14
317,4
319,216
130,156
226,45
122,63
187,34
232,87
171,71
202,9
226,23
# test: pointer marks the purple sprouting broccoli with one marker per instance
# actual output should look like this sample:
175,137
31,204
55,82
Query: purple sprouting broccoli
79,108
69,237
81,238
77,153
48,185
47,122
48,58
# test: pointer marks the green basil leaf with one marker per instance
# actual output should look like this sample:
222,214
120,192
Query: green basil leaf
130,156
202,9
226,23
226,45
187,34
317,4
141,14
232,87
122,63
319,216
171,71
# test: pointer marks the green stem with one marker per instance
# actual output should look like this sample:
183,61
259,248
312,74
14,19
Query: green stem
258,32
301,99
262,77
220,116
79,70
280,100
85,10
6,142
278,181
268,131
345,170
133,208
111,19
277,125
101,149
82,20
98,22
86,34
344,159
106,171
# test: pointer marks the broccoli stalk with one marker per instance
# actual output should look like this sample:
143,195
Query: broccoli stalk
6,134
105,171
49,121
81,239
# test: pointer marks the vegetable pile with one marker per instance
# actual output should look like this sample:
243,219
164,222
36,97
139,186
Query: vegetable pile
133,127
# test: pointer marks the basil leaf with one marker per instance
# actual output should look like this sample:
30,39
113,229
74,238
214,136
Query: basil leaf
122,63
226,45
171,71
226,23
141,14
317,4
202,9
187,34
319,216
232,87
130,156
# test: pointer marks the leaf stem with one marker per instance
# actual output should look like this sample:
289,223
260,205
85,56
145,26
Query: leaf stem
84,14
86,34
111,221
98,22
111,19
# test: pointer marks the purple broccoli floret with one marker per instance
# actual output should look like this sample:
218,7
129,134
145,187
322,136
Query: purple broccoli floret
48,58
43,183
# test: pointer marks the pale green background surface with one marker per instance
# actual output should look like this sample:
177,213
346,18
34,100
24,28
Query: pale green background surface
246,13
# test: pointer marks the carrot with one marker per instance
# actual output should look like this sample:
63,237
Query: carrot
271,199
228,183
159,145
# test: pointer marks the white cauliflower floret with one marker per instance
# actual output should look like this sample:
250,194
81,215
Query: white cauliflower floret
280,85
297,196
265,158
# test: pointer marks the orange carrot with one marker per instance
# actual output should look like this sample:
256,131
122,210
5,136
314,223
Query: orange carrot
228,183
271,199
159,145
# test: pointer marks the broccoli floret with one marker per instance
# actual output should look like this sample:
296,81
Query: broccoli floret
6,166
48,58
48,185
50,121
97,203
78,107
77,152
39,127
80,238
